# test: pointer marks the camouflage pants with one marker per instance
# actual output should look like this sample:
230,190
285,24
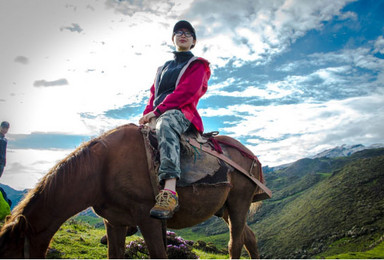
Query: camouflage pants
169,126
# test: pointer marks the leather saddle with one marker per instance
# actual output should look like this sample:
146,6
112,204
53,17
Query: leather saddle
197,166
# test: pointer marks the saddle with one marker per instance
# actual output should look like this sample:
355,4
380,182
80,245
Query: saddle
197,167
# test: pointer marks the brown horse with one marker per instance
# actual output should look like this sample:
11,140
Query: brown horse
110,174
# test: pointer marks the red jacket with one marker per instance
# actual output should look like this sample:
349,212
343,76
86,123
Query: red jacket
191,86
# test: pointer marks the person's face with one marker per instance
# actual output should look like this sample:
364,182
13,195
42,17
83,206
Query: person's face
182,42
4,130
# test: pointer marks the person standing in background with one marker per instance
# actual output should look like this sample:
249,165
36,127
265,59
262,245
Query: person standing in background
3,145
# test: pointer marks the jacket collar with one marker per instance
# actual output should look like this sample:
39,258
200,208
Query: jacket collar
182,56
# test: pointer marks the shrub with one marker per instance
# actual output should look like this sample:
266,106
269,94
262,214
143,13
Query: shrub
177,248
136,249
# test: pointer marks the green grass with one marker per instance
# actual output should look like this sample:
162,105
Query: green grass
91,221
205,255
325,175
375,253
77,239
220,241
368,246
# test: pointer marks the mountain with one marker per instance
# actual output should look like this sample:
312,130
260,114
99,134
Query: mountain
14,195
320,207
315,208
338,151
345,150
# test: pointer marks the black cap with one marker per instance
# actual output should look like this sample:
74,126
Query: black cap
185,24
4,124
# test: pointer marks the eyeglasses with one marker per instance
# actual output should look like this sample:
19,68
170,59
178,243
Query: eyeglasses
180,33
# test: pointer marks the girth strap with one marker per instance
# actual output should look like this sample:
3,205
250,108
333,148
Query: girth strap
194,143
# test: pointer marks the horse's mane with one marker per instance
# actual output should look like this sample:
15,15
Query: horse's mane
77,160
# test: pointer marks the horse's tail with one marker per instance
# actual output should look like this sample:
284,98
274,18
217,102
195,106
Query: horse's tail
256,171
255,206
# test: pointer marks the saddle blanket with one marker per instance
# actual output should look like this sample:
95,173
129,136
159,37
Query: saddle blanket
201,168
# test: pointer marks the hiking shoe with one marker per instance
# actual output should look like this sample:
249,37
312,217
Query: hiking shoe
166,204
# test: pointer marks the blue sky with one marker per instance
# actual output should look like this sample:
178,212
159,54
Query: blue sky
290,78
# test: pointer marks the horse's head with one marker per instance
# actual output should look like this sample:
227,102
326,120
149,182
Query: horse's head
13,240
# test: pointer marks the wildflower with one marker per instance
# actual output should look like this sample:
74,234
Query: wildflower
177,248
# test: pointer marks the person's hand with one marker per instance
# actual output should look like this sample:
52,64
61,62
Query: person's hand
146,118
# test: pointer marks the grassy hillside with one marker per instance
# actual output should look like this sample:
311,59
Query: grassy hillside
320,207
348,204
76,239
4,207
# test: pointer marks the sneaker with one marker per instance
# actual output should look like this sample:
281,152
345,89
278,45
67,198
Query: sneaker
166,204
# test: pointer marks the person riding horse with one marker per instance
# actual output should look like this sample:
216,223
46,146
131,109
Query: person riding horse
174,95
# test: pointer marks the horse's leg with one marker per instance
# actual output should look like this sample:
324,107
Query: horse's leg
235,216
152,231
116,240
248,238
250,242
236,238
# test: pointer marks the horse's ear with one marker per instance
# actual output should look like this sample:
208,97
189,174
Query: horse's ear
20,224
7,218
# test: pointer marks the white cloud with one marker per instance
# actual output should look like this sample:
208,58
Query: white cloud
285,133
100,67
359,57
273,91
332,75
254,30
379,45
25,167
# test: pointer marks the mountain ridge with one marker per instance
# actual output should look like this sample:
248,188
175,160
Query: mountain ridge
345,150
337,151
